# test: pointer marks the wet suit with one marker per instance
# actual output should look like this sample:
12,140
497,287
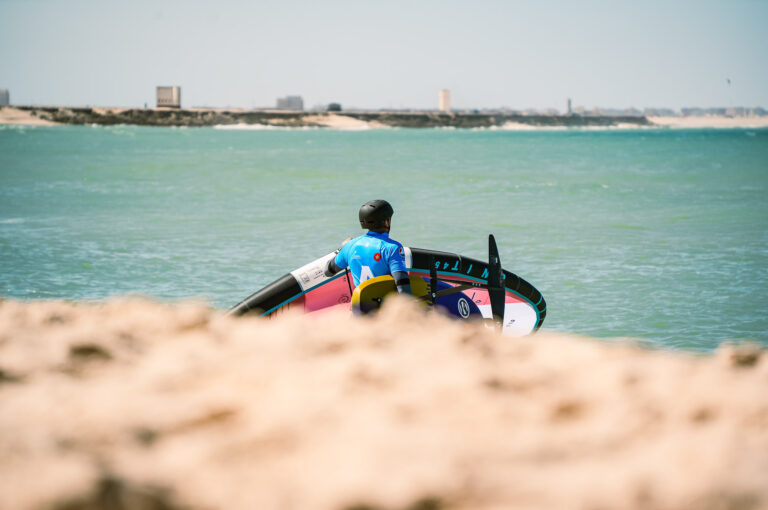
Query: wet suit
370,255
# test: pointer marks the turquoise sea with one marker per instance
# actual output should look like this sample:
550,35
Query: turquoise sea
656,234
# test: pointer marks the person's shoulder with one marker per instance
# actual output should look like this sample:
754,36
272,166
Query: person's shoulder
348,245
354,240
395,247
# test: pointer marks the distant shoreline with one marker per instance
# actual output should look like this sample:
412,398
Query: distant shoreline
201,117
239,118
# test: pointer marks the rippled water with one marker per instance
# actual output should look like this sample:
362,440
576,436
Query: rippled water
656,234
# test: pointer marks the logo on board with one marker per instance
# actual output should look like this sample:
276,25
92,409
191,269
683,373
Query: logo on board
463,305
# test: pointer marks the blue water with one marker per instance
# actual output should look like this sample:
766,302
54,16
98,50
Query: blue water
653,234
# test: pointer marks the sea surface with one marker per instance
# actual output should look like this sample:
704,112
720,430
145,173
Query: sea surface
655,234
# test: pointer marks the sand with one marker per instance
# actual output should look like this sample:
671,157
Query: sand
14,116
710,122
138,405
341,121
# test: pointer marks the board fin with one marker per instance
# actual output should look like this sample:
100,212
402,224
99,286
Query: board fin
495,283
432,282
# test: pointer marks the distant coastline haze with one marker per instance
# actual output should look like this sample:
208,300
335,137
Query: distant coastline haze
397,55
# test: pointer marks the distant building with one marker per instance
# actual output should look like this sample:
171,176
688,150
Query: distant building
660,112
334,107
568,108
703,112
444,100
290,103
169,97
5,97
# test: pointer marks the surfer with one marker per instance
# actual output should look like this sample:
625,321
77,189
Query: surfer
374,253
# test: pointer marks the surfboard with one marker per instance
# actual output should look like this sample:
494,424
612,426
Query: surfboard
461,286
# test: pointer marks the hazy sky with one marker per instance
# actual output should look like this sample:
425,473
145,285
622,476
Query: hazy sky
387,54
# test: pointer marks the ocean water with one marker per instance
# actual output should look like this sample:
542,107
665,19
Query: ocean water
654,234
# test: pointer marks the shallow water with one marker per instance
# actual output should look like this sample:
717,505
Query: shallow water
655,234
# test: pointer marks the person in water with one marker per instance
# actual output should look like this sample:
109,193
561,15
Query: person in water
373,254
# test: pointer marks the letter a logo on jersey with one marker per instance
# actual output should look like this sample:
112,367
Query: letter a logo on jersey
365,273
377,257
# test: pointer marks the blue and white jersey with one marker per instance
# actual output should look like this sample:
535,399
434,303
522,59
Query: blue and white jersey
370,255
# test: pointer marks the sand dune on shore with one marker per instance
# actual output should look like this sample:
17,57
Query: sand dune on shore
712,121
343,122
138,405
14,116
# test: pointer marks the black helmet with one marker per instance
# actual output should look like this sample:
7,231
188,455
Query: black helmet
373,214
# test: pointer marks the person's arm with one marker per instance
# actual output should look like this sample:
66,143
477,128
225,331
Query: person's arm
402,282
399,271
337,263
331,268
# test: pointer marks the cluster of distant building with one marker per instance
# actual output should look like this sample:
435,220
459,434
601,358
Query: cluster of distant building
734,111
290,103
738,111
296,103
170,97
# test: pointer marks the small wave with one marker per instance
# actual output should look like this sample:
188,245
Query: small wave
11,221
21,128
625,226
615,127
259,127
354,128
516,126
512,126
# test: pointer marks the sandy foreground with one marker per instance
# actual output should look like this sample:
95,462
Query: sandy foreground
138,405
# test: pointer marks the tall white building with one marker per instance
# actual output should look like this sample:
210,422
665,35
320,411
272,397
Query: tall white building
444,100
5,97
169,97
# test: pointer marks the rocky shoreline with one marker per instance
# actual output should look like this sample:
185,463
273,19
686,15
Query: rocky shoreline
297,119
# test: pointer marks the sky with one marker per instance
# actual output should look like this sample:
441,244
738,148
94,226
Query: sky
387,53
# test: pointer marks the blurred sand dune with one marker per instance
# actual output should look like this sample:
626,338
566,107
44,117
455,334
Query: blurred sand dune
137,405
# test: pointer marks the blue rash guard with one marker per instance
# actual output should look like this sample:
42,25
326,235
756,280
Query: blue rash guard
370,255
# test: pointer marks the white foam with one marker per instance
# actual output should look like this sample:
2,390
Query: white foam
257,127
